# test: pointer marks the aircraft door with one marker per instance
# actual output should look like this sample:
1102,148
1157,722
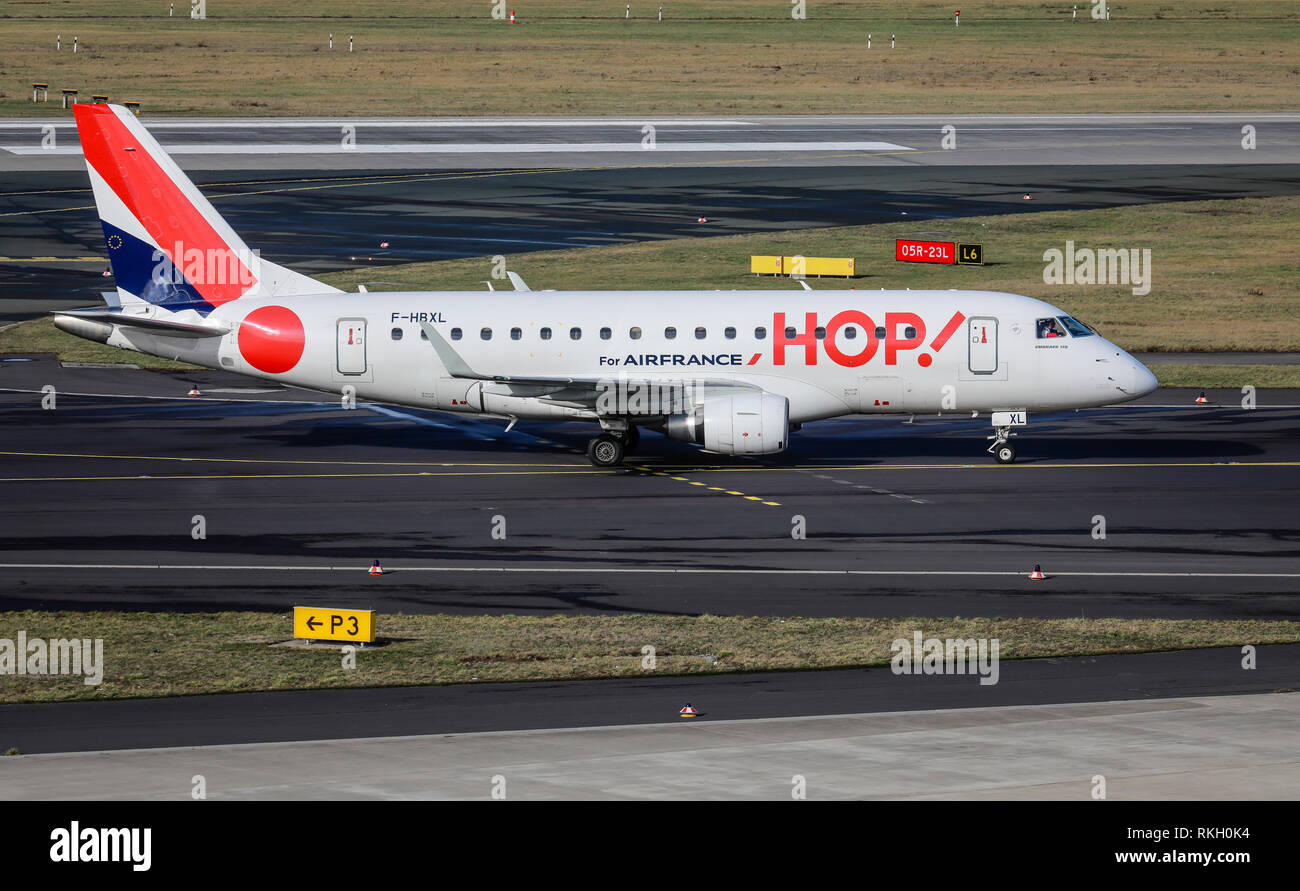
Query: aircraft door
983,339
352,346
880,393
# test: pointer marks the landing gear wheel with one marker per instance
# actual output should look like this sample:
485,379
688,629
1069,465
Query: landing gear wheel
605,450
631,439
1005,453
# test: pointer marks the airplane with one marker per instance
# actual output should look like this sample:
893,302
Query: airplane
734,372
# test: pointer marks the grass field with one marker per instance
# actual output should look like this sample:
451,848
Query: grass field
1222,276
257,57
168,654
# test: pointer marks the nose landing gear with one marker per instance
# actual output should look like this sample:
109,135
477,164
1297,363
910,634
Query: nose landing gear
1004,453
1002,450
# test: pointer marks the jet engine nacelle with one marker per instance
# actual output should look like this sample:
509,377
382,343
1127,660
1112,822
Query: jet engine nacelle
744,424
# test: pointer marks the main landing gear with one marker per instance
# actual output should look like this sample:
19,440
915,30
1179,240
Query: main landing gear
610,447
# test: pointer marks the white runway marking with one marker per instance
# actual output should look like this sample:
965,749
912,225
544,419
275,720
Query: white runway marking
427,422
281,123
482,148
877,491
666,570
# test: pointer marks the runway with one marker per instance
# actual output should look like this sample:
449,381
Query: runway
932,140
902,520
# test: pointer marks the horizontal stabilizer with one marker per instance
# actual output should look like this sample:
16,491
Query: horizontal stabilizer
82,321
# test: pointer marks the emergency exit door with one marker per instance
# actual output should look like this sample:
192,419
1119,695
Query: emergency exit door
983,339
352,346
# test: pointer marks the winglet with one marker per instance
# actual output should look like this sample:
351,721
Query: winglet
518,281
451,360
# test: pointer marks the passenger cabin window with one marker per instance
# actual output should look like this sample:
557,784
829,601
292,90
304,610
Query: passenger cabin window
700,334
821,333
634,333
575,334
670,333
455,334
423,336
544,333
516,333
909,333
729,333
606,333
397,334
485,334
1049,328
790,333
760,333
850,332
880,333
1075,327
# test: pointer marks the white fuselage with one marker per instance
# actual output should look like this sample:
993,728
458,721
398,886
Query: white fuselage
833,364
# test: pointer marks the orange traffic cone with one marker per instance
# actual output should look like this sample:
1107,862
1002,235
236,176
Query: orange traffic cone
1026,198
194,391
383,244
702,220
1037,574
376,569
688,711
1201,400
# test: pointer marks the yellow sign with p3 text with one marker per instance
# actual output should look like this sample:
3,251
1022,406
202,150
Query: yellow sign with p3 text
323,623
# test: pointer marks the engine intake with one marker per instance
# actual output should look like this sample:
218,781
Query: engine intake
744,424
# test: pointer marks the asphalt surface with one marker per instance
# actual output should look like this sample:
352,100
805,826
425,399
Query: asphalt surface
877,140
467,708
901,520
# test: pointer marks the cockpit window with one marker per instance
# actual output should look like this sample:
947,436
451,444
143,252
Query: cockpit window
1075,327
1050,328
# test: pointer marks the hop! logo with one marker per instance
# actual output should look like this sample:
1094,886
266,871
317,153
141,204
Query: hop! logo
912,335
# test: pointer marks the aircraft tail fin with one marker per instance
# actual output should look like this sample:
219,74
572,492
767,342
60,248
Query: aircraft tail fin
167,244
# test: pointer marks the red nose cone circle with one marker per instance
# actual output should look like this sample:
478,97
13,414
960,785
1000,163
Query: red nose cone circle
271,339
